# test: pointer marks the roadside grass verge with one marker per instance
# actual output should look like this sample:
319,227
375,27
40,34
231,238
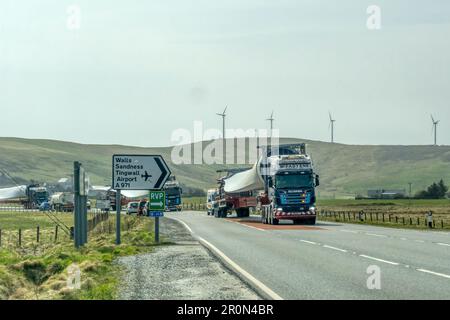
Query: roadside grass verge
27,275
12,220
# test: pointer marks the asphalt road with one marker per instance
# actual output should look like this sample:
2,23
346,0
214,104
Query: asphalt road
332,260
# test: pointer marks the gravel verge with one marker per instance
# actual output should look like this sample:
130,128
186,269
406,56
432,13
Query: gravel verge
185,270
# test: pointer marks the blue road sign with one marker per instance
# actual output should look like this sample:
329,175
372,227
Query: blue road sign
156,214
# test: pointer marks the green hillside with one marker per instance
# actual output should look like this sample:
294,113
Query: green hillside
344,169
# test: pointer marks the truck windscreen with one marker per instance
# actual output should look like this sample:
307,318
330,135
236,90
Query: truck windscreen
172,191
285,181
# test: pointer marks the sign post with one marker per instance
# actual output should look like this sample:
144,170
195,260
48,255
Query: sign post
81,186
140,172
156,206
118,213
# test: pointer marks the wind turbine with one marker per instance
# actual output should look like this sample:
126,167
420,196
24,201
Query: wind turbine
271,119
435,123
332,121
223,115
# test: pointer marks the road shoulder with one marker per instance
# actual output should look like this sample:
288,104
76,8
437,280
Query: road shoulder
184,270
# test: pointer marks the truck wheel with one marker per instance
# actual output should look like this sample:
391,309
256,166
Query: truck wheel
311,221
245,212
275,221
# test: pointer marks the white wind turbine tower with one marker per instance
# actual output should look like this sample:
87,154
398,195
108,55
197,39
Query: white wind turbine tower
223,115
435,123
271,119
332,121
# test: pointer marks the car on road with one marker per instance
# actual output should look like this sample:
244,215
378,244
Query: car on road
132,207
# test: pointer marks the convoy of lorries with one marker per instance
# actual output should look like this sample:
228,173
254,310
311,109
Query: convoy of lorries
279,186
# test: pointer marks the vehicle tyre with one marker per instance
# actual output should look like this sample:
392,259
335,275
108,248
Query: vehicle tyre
312,221
245,213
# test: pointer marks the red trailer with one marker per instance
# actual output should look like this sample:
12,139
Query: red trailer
241,202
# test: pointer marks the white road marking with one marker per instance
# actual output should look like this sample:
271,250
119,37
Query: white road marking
434,273
246,225
184,224
443,244
349,231
376,235
334,248
244,273
380,260
310,242
421,241
404,239
234,265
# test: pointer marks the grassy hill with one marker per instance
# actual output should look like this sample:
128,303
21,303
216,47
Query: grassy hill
344,169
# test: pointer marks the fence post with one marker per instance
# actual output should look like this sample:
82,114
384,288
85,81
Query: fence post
418,221
37,234
403,218
442,226
410,221
396,219
20,237
56,233
0,237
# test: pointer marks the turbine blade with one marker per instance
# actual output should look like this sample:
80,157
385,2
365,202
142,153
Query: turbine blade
432,119
225,110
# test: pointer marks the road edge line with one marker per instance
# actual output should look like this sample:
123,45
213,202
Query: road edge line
259,287
254,283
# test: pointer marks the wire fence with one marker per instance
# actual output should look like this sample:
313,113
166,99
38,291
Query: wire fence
384,218
193,206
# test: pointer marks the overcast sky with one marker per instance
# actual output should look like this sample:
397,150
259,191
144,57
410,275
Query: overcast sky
136,70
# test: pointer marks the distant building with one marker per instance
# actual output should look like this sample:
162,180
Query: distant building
386,194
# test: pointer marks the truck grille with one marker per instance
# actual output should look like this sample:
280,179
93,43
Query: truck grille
294,199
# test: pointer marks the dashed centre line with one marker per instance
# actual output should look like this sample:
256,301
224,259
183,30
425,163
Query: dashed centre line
334,248
380,260
443,244
434,273
310,242
376,235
